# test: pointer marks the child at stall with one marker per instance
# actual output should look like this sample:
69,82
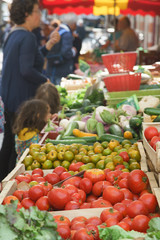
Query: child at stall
49,93
30,119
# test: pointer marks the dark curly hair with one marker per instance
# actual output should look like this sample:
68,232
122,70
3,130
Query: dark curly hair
19,9
31,114
49,93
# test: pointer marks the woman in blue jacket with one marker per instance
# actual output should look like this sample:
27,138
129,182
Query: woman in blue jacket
22,70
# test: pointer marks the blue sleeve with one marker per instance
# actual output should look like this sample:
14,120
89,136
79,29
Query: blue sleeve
28,57
44,50
67,44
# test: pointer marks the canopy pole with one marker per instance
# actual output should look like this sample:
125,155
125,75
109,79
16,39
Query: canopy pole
114,34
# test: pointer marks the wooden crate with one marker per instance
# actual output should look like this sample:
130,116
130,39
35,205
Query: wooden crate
11,186
143,162
153,155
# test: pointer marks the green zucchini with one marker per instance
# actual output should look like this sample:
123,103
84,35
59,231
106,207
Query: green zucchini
152,111
115,130
100,129
87,139
108,137
67,142
70,127
59,137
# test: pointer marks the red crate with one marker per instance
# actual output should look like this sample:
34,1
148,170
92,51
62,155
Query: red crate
119,62
123,82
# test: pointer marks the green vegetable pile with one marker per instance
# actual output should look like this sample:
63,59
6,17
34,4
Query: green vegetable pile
118,233
31,224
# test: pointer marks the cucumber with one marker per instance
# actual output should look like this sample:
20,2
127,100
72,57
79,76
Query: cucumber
157,119
66,142
70,127
108,137
115,130
152,111
100,129
59,137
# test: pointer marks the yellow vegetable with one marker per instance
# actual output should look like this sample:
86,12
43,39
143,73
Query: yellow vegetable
78,133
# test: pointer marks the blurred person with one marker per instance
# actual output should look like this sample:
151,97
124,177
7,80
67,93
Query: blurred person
80,29
128,40
113,37
2,121
49,93
60,61
31,118
22,70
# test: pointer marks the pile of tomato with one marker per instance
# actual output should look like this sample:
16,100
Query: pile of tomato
125,196
152,135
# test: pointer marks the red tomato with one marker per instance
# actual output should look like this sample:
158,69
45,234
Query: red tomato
65,175
64,231
150,202
72,234
73,181
59,219
83,195
71,189
124,225
127,201
123,183
100,203
77,225
91,198
111,222
93,230
9,199
59,170
35,176
112,194
112,175
154,140
86,185
52,178
24,178
119,167
75,166
135,208
58,198
137,181
77,198
128,220
110,213
94,220
40,179
19,194
125,156
127,193
135,197
46,187
150,132
83,234
42,203
39,171
122,208
19,206
85,205
27,203
140,223
124,174
36,192
95,175
98,187
144,191
71,205
79,219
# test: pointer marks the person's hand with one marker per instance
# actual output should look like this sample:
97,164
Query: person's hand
54,38
48,80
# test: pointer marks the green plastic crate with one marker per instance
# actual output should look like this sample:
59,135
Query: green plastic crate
116,97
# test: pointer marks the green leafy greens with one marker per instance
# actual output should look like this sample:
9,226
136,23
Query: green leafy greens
26,224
